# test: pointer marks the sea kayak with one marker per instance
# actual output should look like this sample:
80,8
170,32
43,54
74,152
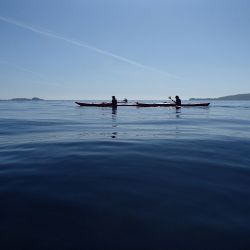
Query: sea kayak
138,104
102,104
205,104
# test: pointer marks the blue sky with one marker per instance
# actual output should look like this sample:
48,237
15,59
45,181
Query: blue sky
139,49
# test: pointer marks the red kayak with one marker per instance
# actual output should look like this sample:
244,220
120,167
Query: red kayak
103,104
108,104
205,104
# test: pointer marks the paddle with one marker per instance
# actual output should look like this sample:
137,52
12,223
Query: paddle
125,100
171,99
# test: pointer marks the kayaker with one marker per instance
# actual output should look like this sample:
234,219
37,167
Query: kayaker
177,101
125,100
114,102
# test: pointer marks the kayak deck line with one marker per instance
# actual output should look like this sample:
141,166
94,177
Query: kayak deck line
144,105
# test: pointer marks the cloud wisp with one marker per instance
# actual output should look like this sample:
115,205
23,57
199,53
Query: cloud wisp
84,45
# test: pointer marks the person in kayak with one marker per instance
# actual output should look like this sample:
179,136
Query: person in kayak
114,102
177,101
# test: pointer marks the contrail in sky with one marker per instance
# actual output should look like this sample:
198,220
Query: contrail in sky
84,45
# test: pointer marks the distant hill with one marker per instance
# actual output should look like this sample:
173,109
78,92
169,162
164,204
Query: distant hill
26,99
239,97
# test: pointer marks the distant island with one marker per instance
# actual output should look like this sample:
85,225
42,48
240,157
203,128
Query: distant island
239,97
26,99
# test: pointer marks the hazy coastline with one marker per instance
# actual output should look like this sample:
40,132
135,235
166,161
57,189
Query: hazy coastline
238,97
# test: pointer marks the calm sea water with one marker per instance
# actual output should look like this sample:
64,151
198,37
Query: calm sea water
132,178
